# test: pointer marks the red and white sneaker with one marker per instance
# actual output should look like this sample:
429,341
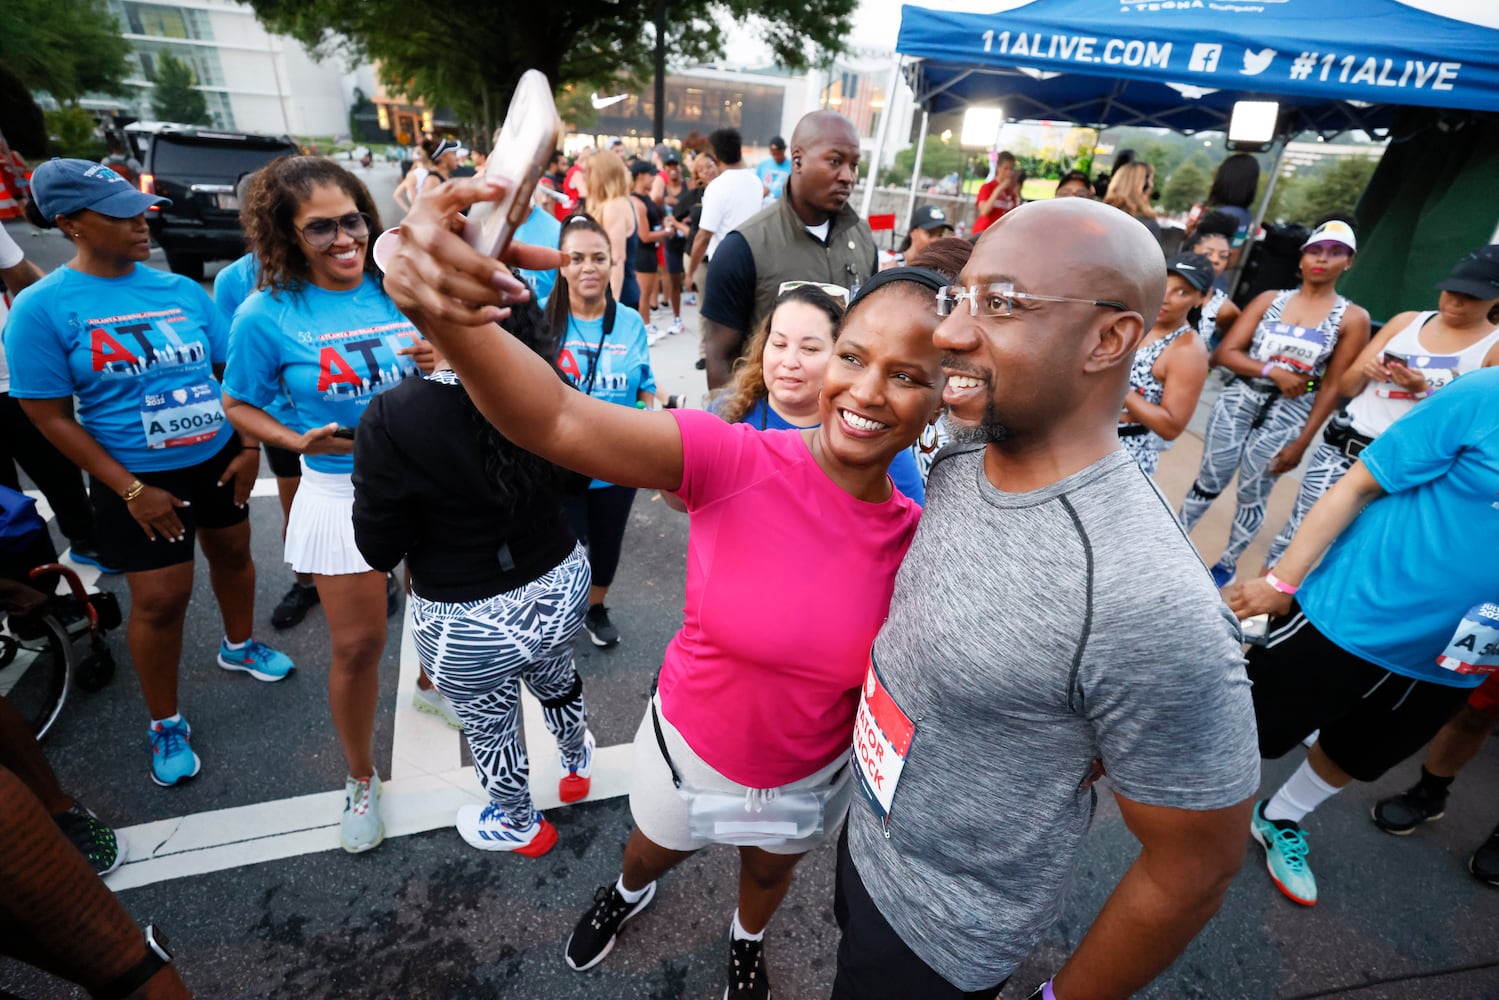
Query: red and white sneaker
489,829
577,780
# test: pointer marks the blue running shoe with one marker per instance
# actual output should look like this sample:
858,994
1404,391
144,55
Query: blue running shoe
172,758
1285,855
87,555
1223,575
489,829
256,659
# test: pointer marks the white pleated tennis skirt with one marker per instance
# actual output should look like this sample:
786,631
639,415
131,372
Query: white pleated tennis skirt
320,530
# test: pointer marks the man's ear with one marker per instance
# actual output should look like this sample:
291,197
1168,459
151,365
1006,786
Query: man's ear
1114,341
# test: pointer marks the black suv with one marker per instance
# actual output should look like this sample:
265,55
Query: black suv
198,168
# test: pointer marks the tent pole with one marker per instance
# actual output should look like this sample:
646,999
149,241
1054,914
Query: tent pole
879,139
916,170
1259,215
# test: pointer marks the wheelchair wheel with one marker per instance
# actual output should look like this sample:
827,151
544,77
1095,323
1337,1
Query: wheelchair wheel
36,679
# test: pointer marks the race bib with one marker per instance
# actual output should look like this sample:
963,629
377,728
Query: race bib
882,739
1299,348
1474,648
181,417
1438,369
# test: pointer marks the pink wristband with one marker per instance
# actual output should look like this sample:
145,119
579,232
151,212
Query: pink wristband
1280,585
1265,371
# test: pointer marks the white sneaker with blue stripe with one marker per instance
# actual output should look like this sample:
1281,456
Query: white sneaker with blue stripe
489,829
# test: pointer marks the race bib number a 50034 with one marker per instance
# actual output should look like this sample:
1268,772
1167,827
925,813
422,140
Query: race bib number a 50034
1474,648
178,417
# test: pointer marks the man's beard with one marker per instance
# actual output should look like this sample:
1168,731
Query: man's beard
989,430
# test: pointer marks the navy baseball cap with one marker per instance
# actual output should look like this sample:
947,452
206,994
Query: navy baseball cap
1476,275
62,187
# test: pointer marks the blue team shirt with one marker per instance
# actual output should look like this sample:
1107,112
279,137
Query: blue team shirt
543,230
773,175
623,366
1397,585
231,287
138,351
904,472
333,351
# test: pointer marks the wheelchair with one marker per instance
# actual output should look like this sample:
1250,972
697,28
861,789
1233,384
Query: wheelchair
51,638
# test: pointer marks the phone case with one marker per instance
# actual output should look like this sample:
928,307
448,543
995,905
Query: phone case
521,151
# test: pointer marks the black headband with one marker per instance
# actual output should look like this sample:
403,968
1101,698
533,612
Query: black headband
924,276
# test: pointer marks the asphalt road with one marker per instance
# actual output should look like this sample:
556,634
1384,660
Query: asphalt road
426,916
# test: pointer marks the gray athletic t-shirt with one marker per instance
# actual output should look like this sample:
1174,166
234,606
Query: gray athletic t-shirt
1030,634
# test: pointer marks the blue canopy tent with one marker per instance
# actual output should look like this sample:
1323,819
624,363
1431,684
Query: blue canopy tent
1376,65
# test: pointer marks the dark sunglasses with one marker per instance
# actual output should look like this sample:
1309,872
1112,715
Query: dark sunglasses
320,233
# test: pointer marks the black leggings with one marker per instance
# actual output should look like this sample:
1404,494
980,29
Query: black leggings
53,472
598,519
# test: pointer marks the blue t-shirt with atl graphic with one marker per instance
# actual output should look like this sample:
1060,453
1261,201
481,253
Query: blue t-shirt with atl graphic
613,366
231,287
333,351
138,351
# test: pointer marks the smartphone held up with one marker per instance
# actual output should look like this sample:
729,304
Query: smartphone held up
525,143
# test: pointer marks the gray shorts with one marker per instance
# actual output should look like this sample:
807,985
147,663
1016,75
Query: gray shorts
661,813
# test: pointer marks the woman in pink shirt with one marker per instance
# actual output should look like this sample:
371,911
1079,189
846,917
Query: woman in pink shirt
754,715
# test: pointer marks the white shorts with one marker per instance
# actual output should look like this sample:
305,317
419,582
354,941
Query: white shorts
660,812
320,529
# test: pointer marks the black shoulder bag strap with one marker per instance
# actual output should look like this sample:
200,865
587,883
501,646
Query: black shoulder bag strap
610,308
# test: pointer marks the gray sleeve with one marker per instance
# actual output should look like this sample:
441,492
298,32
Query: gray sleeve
1169,703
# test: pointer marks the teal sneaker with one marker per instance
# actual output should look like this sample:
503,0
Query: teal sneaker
256,659
361,828
1285,855
172,758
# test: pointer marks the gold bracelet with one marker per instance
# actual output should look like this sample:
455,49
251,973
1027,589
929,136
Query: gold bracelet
135,489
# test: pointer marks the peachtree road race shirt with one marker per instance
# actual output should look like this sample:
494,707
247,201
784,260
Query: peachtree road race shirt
333,351
138,351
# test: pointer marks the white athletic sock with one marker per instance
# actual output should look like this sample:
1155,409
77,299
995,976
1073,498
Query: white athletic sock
1302,792
175,717
235,645
631,895
736,929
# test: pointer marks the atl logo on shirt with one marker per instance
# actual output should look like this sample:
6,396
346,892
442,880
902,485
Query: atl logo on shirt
155,343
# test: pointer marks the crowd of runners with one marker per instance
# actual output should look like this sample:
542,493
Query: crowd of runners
938,700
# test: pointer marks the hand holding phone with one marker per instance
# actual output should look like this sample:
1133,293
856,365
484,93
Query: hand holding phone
521,151
1391,358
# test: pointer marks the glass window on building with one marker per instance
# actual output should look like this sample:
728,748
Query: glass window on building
700,106
858,98
161,22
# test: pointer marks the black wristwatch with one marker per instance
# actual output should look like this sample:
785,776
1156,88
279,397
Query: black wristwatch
136,976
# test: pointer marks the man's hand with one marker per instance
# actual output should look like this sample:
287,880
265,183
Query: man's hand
241,471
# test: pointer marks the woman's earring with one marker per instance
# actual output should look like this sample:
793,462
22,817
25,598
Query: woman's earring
928,446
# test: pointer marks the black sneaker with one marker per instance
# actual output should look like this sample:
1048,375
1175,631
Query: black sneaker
1484,864
747,977
1400,814
392,595
594,936
85,553
94,840
600,629
300,599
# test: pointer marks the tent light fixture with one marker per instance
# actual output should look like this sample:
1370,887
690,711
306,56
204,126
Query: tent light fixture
981,127
1252,126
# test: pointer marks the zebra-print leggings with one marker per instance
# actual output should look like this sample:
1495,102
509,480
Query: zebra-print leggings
478,653
1328,465
1232,443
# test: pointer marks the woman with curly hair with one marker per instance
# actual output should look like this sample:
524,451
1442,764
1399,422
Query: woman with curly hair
322,326
140,351
499,584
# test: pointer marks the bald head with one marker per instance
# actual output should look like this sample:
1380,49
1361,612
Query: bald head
818,127
824,165
1092,249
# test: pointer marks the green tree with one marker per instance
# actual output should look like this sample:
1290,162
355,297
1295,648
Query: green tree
67,48
453,53
1187,185
75,133
1336,187
174,98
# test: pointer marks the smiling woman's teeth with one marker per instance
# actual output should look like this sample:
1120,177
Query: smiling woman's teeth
860,423
964,381
347,254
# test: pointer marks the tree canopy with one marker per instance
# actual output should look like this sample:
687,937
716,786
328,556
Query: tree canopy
174,98
467,57
67,48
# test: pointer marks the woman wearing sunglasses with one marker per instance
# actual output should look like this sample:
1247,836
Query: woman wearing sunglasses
140,351
752,711
322,326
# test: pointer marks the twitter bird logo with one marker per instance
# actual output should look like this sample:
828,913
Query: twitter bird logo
1256,63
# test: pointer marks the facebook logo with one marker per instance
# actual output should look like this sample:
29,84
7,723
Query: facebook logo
1205,58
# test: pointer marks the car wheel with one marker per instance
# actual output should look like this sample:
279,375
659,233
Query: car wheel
188,267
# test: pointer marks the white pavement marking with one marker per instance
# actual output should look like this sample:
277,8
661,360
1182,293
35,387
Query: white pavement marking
426,787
